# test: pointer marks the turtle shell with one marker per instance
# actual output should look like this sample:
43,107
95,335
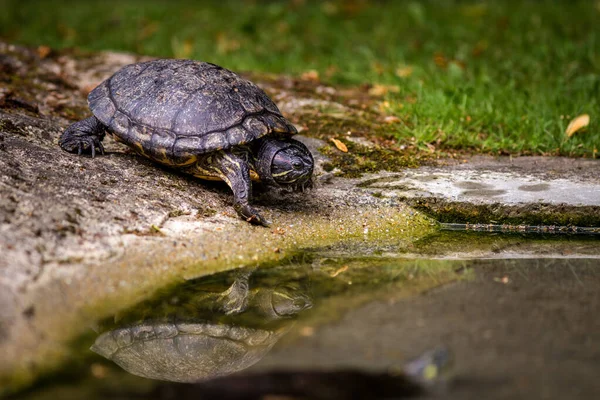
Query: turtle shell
185,351
173,110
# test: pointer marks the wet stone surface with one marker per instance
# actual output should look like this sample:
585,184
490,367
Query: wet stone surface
490,186
530,190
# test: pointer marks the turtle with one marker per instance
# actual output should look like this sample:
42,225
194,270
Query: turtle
200,118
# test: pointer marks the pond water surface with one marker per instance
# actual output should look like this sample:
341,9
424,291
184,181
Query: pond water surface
461,316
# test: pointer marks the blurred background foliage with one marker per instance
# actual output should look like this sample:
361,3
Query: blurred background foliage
492,76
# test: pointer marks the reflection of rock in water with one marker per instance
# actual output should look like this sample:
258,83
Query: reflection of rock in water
296,385
185,352
210,334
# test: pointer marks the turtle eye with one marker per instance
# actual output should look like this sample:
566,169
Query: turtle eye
297,164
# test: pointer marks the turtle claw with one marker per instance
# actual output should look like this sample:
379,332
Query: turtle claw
249,214
258,220
83,144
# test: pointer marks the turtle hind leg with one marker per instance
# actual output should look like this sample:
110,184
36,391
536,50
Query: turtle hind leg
235,171
85,135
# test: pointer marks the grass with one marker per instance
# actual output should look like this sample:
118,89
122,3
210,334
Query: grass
489,76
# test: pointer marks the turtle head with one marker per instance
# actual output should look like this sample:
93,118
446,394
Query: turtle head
282,302
287,301
284,162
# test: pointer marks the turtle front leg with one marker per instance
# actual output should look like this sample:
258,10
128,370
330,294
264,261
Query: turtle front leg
235,299
235,171
83,135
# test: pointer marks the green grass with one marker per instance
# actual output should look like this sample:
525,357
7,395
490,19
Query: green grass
492,76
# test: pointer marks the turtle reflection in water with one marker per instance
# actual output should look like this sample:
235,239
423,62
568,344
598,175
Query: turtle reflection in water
190,349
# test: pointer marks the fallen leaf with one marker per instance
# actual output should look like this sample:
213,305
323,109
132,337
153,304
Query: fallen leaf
43,51
311,75
381,90
391,119
404,72
577,124
440,60
278,231
340,145
339,271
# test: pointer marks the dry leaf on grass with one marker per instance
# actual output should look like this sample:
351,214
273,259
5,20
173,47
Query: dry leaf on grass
404,72
577,124
382,90
340,145
310,75
43,51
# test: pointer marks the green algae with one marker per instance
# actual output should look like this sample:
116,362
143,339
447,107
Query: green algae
530,214
360,160
383,154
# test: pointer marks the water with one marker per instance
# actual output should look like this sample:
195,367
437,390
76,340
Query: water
522,326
